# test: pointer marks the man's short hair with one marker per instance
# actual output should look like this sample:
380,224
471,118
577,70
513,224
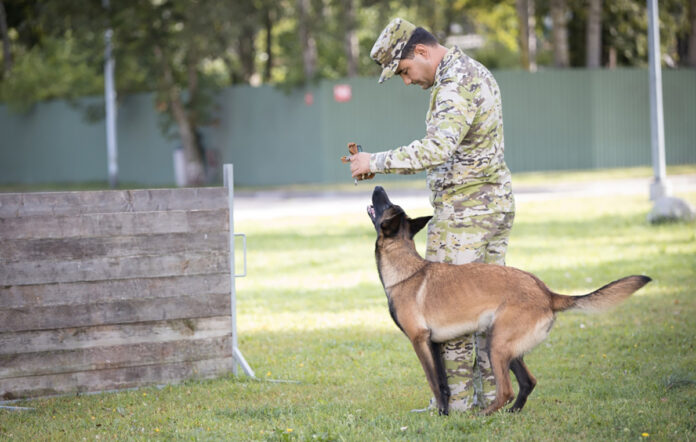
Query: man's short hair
419,36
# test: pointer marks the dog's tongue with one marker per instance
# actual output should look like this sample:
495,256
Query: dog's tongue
371,211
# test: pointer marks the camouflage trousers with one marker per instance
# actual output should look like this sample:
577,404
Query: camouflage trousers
482,238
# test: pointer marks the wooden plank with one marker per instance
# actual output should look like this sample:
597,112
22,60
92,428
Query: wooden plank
117,312
114,335
117,356
13,205
99,269
114,224
17,250
108,290
93,292
112,379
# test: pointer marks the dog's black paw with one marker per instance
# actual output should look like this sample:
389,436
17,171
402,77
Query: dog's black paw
443,411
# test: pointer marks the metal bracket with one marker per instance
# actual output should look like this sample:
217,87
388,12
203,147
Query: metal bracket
244,243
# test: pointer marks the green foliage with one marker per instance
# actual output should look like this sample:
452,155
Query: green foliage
225,42
59,68
312,310
625,30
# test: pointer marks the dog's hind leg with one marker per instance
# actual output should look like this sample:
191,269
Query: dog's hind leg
434,369
500,357
526,381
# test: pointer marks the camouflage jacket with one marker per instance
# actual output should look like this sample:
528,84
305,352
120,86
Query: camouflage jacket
462,151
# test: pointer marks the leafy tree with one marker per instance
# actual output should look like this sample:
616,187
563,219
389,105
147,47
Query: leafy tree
5,35
184,50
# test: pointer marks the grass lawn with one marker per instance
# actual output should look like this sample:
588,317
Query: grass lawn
522,179
312,310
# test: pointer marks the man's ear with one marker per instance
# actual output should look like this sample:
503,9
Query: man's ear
418,223
421,50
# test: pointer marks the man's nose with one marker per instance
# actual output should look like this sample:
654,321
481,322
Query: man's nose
407,80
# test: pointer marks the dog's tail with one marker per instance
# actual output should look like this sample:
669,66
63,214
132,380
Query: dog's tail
602,299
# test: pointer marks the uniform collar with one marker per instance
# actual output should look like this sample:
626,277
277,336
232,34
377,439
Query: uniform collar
447,61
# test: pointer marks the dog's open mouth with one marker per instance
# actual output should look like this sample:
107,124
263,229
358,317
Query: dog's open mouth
371,211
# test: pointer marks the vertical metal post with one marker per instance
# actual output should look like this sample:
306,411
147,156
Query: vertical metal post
228,172
110,103
659,188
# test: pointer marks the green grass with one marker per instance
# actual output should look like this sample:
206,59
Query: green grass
312,310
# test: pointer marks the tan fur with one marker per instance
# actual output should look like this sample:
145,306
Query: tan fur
435,302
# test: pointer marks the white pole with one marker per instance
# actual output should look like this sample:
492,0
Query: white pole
659,188
110,103
228,176
666,207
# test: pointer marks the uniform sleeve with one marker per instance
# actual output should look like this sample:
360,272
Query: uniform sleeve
451,117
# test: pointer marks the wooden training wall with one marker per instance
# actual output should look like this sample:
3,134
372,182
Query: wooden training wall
113,289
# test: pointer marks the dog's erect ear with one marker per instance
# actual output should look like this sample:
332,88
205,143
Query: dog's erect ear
418,223
391,222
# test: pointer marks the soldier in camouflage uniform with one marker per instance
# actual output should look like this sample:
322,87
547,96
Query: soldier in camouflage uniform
462,153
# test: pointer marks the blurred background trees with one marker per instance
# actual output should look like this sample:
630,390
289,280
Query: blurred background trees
185,50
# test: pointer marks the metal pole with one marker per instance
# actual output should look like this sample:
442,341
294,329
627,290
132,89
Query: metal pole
659,188
228,174
110,103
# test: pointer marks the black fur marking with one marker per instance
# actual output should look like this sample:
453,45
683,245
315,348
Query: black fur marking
553,321
392,312
524,381
441,374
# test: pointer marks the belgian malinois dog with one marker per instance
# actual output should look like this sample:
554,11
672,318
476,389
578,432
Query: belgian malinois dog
435,302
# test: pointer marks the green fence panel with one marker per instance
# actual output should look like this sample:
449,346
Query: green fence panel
50,143
554,119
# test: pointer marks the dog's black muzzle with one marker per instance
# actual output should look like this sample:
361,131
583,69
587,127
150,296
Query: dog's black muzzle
380,203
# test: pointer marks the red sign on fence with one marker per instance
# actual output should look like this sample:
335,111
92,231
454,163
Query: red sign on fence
342,93
309,98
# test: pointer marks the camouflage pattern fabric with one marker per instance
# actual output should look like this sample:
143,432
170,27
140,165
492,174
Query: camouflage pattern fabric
481,238
461,240
463,149
387,49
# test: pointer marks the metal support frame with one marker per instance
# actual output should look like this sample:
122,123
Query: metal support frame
228,170
110,107
660,186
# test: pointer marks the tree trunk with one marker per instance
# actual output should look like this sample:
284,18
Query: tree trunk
268,24
307,42
594,34
691,57
527,36
247,53
6,54
351,38
559,11
193,158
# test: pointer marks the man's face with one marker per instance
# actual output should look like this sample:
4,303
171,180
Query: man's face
416,70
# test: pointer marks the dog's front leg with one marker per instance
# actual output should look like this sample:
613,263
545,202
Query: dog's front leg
430,358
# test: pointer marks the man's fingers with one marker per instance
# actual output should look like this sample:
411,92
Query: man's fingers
359,166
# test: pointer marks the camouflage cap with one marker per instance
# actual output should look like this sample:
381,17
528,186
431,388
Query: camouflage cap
388,47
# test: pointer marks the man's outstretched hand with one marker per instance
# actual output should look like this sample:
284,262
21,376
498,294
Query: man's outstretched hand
360,166
359,162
